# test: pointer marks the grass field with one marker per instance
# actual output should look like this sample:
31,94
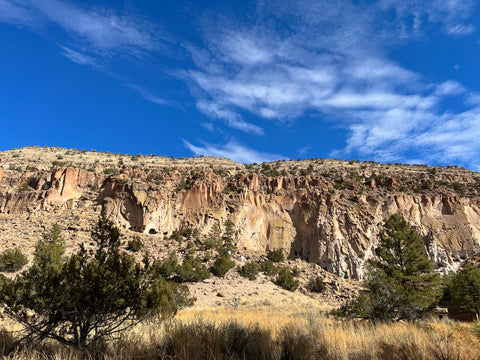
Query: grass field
270,333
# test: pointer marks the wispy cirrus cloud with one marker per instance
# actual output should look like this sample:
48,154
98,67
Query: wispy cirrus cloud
148,95
15,12
232,119
449,138
270,65
97,35
289,59
232,150
413,16
97,30
78,57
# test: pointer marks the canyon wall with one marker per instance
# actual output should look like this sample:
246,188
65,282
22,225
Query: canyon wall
330,218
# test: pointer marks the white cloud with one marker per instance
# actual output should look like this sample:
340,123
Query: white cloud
304,150
98,30
231,118
14,12
342,71
461,29
374,100
473,99
451,15
102,30
148,95
449,88
234,151
244,50
78,57
439,138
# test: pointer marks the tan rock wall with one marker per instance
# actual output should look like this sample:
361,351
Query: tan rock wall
301,215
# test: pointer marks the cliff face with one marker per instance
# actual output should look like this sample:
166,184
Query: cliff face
336,232
329,213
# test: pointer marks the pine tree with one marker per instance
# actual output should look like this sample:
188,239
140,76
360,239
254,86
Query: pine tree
465,288
400,283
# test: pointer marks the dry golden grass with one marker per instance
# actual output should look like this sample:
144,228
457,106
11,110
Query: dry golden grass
274,333
432,339
273,318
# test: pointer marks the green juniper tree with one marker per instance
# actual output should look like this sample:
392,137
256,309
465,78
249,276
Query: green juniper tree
89,296
400,283
465,288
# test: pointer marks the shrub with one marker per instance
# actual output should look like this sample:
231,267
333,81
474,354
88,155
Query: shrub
188,232
177,236
249,270
166,268
191,270
136,244
295,272
12,260
221,266
268,268
296,345
110,171
226,250
459,188
316,285
285,279
183,186
276,255
195,233
210,244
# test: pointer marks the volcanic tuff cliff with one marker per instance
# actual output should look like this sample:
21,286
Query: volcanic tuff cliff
324,211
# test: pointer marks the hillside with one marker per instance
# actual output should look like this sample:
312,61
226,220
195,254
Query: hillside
325,214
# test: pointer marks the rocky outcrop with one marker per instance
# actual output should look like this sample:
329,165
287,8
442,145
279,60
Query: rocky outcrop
331,216
309,223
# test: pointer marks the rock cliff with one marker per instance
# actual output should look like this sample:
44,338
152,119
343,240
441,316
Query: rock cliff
327,212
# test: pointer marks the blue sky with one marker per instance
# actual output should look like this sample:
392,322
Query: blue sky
390,81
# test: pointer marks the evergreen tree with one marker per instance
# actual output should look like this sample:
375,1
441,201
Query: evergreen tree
89,296
50,249
400,283
465,288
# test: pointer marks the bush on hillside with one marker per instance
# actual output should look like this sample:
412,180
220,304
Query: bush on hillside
191,270
12,260
249,270
221,266
276,255
268,267
316,285
135,245
286,280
